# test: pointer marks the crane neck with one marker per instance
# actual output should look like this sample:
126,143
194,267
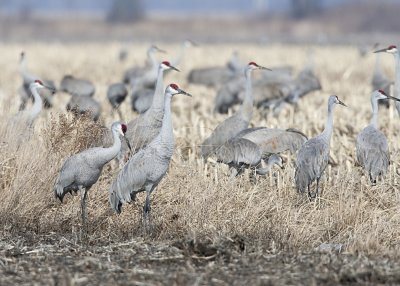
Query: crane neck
327,133
180,56
246,110
37,105
378,66
158,98
374,118
397,80
152,58
166,132
107,154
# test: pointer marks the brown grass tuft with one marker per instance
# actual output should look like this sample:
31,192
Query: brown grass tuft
199,200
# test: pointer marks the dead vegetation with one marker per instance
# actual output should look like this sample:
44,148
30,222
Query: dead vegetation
198,202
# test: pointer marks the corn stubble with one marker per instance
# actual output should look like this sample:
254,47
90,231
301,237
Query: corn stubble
197,199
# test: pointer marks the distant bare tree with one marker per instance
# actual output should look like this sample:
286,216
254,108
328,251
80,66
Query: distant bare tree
126,11
303,8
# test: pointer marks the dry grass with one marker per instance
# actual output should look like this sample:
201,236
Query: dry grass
197,200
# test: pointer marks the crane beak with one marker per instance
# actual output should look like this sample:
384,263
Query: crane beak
381,50
341,103
160,51
184,92
127,143
393,98
264,68
174,68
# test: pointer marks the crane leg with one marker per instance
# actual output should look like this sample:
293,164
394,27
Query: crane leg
310,195
83,207
317,192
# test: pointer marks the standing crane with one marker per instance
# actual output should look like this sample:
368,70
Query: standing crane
116,94
26,118
146,168
372,147
84,105
77,86
142,98
380,79
151,65
80,171
27,79
144,128
313,156
392,49
231,126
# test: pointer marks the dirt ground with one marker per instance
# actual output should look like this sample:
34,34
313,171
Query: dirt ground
28,259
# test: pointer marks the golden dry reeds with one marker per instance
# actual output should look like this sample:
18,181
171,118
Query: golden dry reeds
197,199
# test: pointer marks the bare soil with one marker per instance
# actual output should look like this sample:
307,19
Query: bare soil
52,259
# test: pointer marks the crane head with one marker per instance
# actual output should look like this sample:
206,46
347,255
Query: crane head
189,43
392,49
254,66
165,65
335,100
275,159
123,128
174,89
39,84
380,94
154,49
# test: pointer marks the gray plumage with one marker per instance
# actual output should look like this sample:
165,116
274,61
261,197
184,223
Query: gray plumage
231,126
28,78
275,140
144,128
313,156
372,147
77,86
149,70
141,100
148,166
217,75
380,80
116,94
84,105
392,49
80,171
240,153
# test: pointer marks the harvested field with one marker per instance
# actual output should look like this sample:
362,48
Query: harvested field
208,229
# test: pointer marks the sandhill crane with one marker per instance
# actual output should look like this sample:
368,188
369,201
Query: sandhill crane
181,54
142,99
80,171
77,86
313,156
27,117
241,153
27,79
269,91
116,94
380,79
151,65
84,105
392,49
231,126
146,168
216,75
144,128
275,140
372,146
